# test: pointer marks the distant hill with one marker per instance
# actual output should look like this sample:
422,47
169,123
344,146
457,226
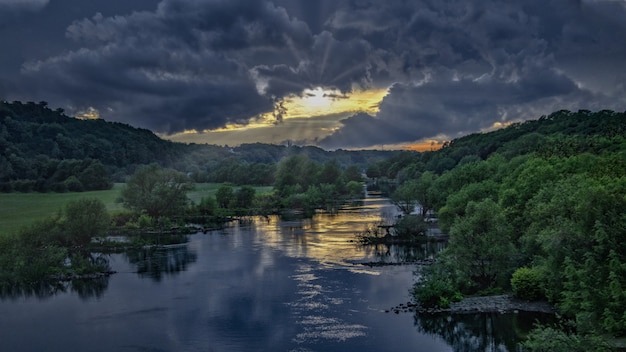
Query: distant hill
41,148
562,133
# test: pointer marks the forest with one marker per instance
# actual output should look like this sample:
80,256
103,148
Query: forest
536,208
43,150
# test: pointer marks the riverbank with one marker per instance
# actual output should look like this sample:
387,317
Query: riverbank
484,304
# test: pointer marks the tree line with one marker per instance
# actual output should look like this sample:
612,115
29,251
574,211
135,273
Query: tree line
536,209
41,148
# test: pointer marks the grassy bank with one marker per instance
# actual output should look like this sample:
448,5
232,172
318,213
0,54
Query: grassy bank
21,209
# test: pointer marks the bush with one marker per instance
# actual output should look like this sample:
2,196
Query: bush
543,338
121,218
73,184
527,283
84,219
436,292
144,221
410,226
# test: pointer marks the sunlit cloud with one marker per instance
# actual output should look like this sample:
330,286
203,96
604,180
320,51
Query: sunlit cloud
308,117
90,113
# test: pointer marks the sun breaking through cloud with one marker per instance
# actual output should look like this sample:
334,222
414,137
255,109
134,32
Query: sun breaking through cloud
334,73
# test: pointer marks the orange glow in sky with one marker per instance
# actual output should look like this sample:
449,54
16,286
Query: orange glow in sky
424,146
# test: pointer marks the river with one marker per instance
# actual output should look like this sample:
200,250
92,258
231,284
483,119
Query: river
260,285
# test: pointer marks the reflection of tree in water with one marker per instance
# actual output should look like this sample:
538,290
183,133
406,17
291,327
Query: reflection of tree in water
88,286
402,253
153,262
479,332
40,289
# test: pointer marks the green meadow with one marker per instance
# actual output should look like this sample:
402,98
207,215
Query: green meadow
21,209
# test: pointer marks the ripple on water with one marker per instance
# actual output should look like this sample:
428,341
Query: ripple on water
323,328
311,307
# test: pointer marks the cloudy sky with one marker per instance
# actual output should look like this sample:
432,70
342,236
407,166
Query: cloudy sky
332,73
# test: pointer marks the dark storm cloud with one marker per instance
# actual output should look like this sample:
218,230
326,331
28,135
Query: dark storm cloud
455,66
172,69
450,108
467,65
327,63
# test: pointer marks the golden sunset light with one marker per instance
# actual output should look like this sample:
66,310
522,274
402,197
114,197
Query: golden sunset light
313,115
319,101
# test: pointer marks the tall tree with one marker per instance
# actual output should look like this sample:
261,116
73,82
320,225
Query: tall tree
156,191
84,219
480,244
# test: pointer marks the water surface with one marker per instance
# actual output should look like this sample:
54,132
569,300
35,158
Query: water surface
261,285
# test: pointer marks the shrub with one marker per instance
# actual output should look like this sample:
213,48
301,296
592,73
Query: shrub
73,184
144,221
85,218
527,283
411,225
121,218
436,292
544,338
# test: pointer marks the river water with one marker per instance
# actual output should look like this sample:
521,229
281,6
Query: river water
261,285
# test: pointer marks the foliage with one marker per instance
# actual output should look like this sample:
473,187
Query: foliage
84,219
410,226
544,197
43,147
438,286
551,339
50,247
304,184
225,196
405,196
481,245
156,191
18,210
527,283
244,197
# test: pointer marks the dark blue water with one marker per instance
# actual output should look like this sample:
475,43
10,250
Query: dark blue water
258,286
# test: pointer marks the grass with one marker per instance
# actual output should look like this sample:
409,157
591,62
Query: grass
21,209
18,210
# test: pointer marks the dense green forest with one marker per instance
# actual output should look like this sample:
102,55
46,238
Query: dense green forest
44,150
536,208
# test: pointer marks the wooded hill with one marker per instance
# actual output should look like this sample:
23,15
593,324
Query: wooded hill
536,208
44,150
562,133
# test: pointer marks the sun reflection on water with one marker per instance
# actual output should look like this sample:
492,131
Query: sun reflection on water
330,239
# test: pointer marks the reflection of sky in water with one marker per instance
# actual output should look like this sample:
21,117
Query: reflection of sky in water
265,286
328,239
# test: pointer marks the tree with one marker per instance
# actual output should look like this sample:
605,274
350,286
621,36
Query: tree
480,244
84,219
329,173
352,173
405,197
225,196
156,191
245,196
295,174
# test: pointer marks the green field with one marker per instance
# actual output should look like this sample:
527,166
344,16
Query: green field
21,209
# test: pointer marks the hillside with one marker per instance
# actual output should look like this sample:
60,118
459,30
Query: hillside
41,148
561,134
